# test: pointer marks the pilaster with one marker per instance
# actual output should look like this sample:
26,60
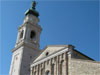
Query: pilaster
32,71
66,63
58,65
55,66
50,66
69,62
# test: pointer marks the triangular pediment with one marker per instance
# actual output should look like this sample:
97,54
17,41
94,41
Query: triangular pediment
53,49
50,49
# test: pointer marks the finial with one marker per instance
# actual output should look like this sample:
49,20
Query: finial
33,4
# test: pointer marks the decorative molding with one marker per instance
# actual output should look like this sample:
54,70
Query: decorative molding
24,44
49,57
29,24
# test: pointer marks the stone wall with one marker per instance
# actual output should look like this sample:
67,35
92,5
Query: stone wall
84,67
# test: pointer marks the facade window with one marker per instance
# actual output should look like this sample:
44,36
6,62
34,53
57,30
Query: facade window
47,73
21,34
32,35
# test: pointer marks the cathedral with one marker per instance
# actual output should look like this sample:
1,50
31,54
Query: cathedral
28,59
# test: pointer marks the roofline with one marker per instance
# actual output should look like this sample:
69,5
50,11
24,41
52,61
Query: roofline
87,60
49,55
83,54
59,46
65,46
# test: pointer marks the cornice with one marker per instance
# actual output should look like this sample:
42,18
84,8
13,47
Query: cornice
23,44
31,25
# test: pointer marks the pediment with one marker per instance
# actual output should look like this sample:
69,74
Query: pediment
50,49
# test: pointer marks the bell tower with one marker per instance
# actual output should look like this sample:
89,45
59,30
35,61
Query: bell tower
29,31
27,44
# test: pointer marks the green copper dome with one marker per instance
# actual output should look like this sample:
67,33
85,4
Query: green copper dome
32,10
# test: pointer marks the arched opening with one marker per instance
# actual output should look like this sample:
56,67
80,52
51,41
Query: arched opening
21,34
32,35
47,73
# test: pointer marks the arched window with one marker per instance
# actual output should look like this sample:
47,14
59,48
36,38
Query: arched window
21,34
32,35
47,73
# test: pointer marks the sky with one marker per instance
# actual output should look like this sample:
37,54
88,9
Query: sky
63,22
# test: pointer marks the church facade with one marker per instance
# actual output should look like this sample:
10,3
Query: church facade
28,59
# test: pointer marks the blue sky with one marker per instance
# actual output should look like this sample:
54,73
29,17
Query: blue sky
63,22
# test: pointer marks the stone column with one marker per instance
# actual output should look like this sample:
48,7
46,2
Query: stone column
69,60
50,66
55,66
40,67
37,70
44,68
61,64
58,65
31,71
66,63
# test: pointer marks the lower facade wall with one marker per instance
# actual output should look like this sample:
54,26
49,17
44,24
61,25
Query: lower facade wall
84,67
57,65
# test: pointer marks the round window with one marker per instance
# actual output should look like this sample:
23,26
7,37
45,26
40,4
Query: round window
47,53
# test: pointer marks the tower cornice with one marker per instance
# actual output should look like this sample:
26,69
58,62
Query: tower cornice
23,44
31,25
